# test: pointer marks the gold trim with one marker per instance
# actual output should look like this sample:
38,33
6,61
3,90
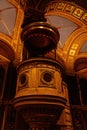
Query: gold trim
79,40
6,38
17,28
16,41
68,16
13,2
81,55
69,8
73,44
2,58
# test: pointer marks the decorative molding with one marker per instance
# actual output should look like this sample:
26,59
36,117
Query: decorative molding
69,8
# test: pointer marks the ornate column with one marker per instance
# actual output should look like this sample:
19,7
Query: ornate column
40,96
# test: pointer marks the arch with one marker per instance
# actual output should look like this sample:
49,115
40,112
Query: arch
6,50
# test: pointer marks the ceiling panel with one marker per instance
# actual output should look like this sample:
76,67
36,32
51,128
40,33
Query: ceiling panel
7,17
64,26
84,47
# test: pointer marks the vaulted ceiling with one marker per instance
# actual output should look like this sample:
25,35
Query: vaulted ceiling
71,27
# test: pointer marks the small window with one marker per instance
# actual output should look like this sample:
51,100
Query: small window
22,81
47,77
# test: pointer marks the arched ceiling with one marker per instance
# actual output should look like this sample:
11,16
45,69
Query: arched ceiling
68,17
71,22
7,17
9,28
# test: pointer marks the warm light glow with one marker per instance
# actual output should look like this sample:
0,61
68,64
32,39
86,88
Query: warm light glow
7,17
84,47
64,26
